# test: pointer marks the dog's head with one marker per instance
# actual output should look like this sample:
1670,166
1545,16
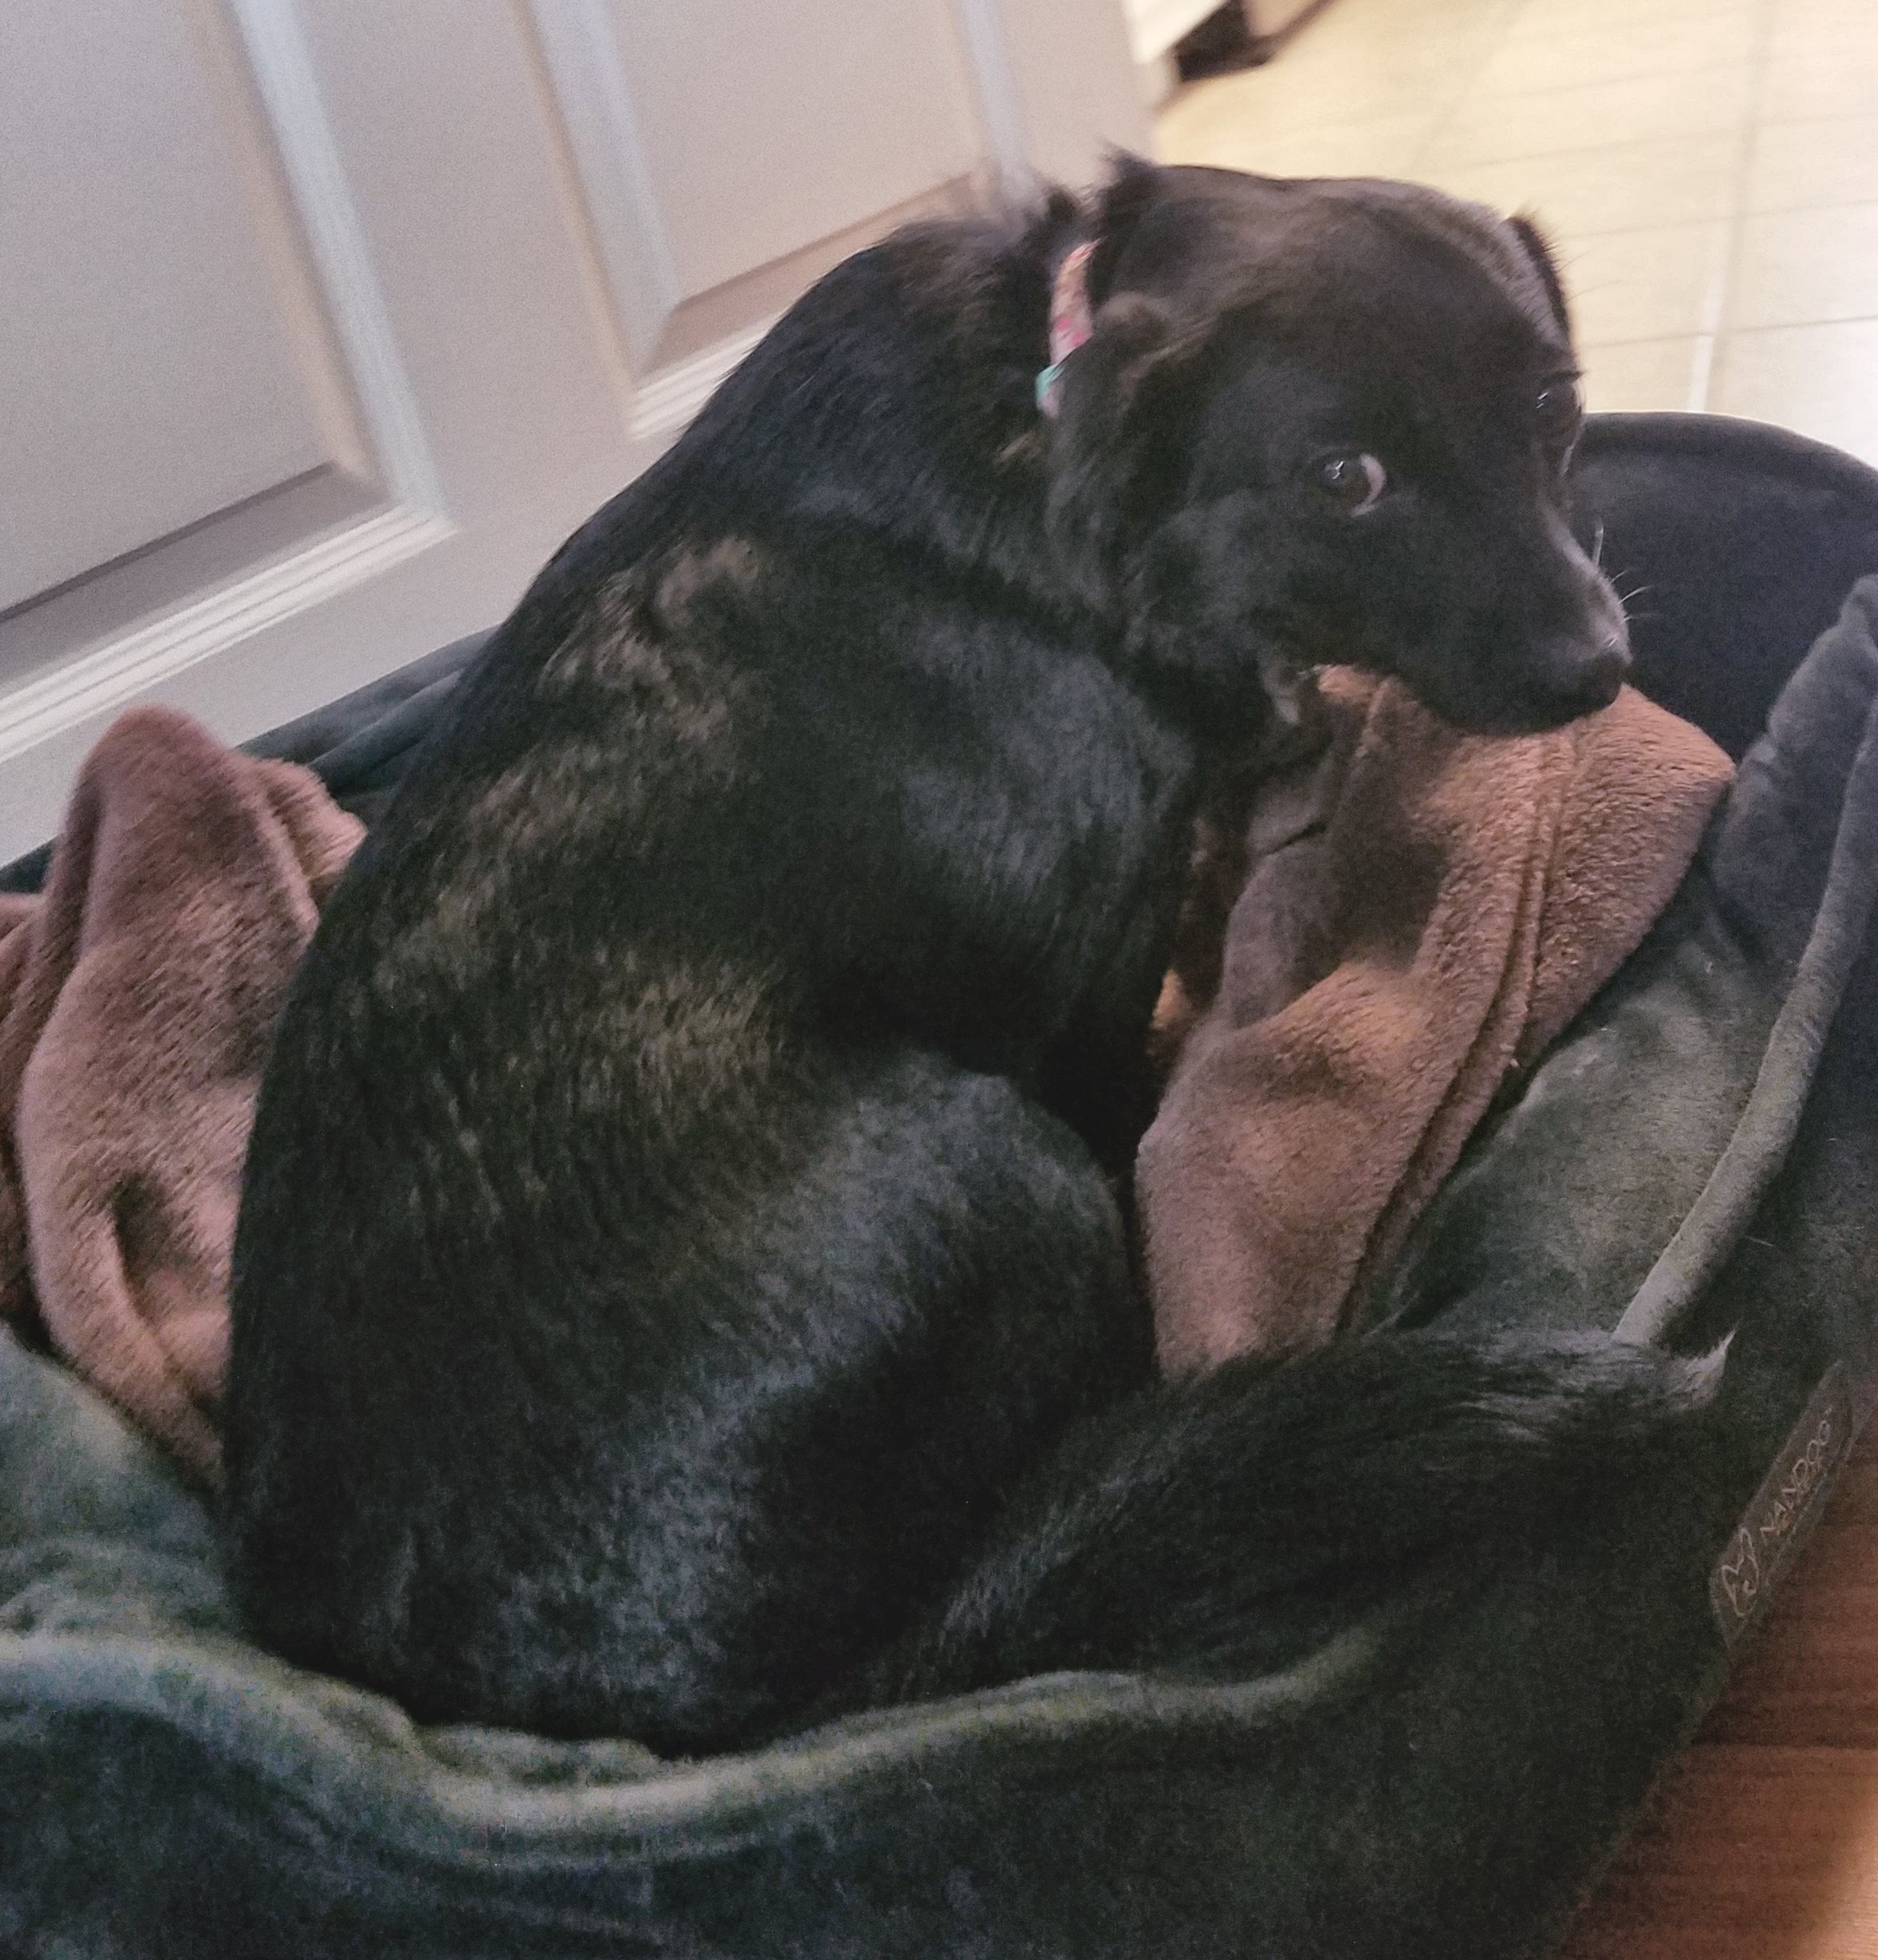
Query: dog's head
1331,421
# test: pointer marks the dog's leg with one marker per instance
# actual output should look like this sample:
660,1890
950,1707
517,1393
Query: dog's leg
691,1511
1099,1076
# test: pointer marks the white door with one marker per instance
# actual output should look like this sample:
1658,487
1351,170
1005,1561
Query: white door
322,322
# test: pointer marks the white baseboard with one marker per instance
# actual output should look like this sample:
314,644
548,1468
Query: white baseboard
116,672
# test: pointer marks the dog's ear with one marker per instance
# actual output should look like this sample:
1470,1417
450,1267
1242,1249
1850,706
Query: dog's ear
1121,432
1532,242
1133,185
1122,413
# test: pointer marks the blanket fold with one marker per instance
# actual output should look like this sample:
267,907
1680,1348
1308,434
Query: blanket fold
1424,913
137,995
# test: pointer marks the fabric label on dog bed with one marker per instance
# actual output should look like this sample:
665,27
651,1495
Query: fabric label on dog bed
1784,1510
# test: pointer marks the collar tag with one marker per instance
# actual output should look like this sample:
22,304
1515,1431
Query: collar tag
1070,322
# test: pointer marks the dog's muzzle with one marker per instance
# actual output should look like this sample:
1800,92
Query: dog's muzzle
1573,654
1579,676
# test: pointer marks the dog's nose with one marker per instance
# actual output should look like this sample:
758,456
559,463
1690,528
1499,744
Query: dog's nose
1603,675
1588,659
1568,678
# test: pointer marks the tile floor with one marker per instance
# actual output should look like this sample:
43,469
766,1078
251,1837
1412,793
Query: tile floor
1708,169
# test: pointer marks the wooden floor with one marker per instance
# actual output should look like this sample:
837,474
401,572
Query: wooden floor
1763,1840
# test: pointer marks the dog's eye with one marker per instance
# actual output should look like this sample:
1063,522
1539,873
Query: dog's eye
1352,479
1557,409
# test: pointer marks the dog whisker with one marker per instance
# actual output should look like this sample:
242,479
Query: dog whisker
1628,599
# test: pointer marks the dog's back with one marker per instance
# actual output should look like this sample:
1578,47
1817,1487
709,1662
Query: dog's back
650,1266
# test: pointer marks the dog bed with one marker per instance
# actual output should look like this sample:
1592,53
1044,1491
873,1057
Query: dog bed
1697,1159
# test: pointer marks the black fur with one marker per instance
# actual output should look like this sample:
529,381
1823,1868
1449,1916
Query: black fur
1228,1526
681,1201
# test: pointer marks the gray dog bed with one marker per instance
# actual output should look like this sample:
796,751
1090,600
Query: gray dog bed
1444,1775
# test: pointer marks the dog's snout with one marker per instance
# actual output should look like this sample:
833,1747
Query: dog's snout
1576,675
1596,676
1585,662
1604,673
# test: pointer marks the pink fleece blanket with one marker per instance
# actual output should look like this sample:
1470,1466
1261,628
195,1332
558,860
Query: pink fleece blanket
1419,913
137,995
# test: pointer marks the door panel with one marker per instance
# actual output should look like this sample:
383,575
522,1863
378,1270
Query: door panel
785,80
329,319
699,238
231,390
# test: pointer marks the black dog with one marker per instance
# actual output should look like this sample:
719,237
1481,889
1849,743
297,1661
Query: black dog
680,1204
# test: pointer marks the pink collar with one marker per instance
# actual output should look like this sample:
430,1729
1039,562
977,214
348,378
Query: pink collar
1070,322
